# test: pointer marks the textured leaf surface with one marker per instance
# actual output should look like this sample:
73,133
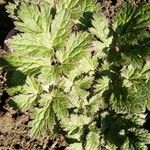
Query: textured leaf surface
136,140
60,104
33,20
131,21
93,141
30,95
102,85
76,48
11,8
43,120
27,64
76,146
60,28
25,102
127,72
74,125
78,7
101,28
27,44
122,17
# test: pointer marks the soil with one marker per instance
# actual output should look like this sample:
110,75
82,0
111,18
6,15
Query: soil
13,125
14,134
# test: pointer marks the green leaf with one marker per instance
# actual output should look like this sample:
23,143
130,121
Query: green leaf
76,48
70,5
141,16
28,52
117,129
127,103
84,83
26,64
136,120
60,104
76,44
93,141
30,95
11,9
94,83
49,75
99,49
148,105
43,120
143,136
136,140
127,71
75,146
74,125
77,96
32,86
95,103
143,94
90,6
27,44
34,19
130,23
146,67
101,28
140,92
60,28
91,64
78,7
134,52
102,85
78,92
122,17
25,102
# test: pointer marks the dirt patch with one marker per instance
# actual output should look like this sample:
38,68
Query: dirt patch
14,134
6,123
110,7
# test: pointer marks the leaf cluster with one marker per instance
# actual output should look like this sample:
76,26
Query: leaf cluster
78,72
